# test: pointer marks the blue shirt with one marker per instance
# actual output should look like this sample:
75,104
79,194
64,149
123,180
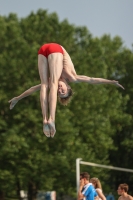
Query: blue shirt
89,192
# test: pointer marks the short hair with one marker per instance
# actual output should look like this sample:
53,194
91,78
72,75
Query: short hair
85,175
97,182
124,187
64,101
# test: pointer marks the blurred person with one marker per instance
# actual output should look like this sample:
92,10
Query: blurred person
98,187
122,190
86,189
56,70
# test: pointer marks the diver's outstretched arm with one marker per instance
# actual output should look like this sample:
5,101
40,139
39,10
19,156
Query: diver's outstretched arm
28,92
91,80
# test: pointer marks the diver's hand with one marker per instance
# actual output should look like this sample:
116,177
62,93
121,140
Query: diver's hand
13,102
119,85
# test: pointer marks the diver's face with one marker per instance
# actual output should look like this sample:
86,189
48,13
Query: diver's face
62,89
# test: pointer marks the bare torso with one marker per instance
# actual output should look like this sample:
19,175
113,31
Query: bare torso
126,197
68,71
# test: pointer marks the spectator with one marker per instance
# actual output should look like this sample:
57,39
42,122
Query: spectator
122,190
97,185
86,188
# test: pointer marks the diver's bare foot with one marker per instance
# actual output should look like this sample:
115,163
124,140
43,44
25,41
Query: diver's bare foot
52,127
46,129
13,102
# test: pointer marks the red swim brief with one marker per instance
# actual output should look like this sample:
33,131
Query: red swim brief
49,48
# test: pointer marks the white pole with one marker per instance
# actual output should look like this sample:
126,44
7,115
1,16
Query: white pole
78,172
106,166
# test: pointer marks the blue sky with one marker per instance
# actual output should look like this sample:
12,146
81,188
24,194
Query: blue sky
114,17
